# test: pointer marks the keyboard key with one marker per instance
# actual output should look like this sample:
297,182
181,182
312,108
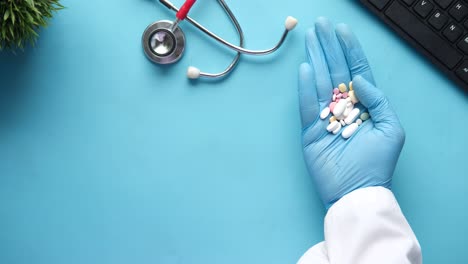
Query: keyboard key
443,3
423,8
380,4
423,35
453,32
459,11
462,71
466,24
463,44
438,20
409,2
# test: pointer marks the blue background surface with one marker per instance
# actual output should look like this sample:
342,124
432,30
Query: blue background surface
107,158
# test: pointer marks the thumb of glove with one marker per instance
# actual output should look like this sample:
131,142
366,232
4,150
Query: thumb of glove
383,116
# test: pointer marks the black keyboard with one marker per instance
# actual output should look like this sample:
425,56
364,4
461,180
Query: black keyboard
437,28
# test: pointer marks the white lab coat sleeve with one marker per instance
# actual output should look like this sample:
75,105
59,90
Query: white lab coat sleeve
366,226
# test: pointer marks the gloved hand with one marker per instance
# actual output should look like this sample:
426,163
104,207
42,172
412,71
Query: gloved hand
339,166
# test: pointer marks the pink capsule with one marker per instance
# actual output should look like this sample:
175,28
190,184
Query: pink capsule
332,106
336,91
339,96
345,95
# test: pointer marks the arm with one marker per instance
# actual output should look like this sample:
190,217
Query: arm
364,223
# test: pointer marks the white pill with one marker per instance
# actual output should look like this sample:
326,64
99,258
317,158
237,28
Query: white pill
352,116
340,108
353,97
359,122
342,123
337,130
325,112
349,130
333,126
348,110
334,97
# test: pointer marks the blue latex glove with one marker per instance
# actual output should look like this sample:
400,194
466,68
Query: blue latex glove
339,166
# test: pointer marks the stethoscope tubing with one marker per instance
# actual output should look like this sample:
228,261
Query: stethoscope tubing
236,59
242,50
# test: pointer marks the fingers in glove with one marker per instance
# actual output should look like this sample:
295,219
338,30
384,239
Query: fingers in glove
318,62
308,101
355,57
336,61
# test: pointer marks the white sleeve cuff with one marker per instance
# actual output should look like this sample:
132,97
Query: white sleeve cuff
367,226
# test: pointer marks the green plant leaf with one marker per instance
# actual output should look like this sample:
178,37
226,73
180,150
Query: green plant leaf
7,15
30,2
20,21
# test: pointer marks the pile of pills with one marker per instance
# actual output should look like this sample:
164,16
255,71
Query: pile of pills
344,114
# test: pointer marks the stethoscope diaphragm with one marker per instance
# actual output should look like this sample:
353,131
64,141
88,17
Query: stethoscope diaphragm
162,43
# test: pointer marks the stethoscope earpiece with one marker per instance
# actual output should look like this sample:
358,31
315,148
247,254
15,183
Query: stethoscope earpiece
193,73
164,41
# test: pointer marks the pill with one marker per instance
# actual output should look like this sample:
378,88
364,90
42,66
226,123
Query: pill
364,116
336,91
345,95
337,130
333,118
342,88
325,112
334,98
349,108
339,108
342,122
359,122
349,130
339,96
348,99
350,86
333,126
332,106
352,116
353,97
346,112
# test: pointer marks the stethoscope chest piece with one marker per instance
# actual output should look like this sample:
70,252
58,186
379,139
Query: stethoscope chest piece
162,44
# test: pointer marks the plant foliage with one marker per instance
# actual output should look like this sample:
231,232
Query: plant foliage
21,19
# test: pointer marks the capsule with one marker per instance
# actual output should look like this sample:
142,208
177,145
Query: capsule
325,112
339,108
349,130
337,130
352,116
353,97
333,126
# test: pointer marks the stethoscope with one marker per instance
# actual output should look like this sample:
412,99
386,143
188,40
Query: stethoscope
164,41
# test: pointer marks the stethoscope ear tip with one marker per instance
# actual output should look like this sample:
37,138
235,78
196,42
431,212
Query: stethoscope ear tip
290,23
193,72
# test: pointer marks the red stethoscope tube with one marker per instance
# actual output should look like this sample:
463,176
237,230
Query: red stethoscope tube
184,10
